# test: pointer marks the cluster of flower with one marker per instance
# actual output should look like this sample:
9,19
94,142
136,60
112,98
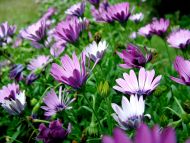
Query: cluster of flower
74,71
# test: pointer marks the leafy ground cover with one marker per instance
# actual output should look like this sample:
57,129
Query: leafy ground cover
103,46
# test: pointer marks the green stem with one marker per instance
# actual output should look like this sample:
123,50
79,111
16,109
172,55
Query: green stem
86,98
169,58
109,113
40,121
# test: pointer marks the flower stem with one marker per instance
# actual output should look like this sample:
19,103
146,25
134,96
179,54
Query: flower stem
93,111
40,121
169,58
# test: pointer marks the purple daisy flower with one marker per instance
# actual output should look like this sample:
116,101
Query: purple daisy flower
72,72
137,17
145,84
57,48
94,2
36,33
38,62
144,134
133,57
96,51
179,39
12,99
68,30
97,13
55,104
54,133
159,27
16,72
6,33
49,13
118,12
131,114
77,9
183,68
145,31
31,78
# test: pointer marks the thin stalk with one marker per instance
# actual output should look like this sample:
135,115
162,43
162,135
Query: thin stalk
85,97
167,49
109,113
40,121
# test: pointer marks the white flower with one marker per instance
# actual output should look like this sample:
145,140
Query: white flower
133,35
137,17
15,106
95,51
130,114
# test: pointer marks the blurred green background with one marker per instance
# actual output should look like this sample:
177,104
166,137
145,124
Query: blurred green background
19,12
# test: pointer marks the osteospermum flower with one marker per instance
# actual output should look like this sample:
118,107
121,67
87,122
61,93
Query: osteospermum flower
159,27
94,2
36,33
77,9
49,13
137,17
12,99
133,57
54,133
144,85
6,33
133,35
16,72
143,134
119,12
145,31
68,30
55,104
38,63
98,13
95,51
130,114
179,39
72,71
183,68
31,78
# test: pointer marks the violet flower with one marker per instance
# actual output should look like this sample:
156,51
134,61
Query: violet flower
55,104
159,27
31,78
38,63
57,48
54,133
131,114
144,134
77,9
179,39
97,13
119,12
16,72
36,33
94,2
68,30
6,33
133,57
96,51
72,72
145,31
144,85
182,66
12,99
49,13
